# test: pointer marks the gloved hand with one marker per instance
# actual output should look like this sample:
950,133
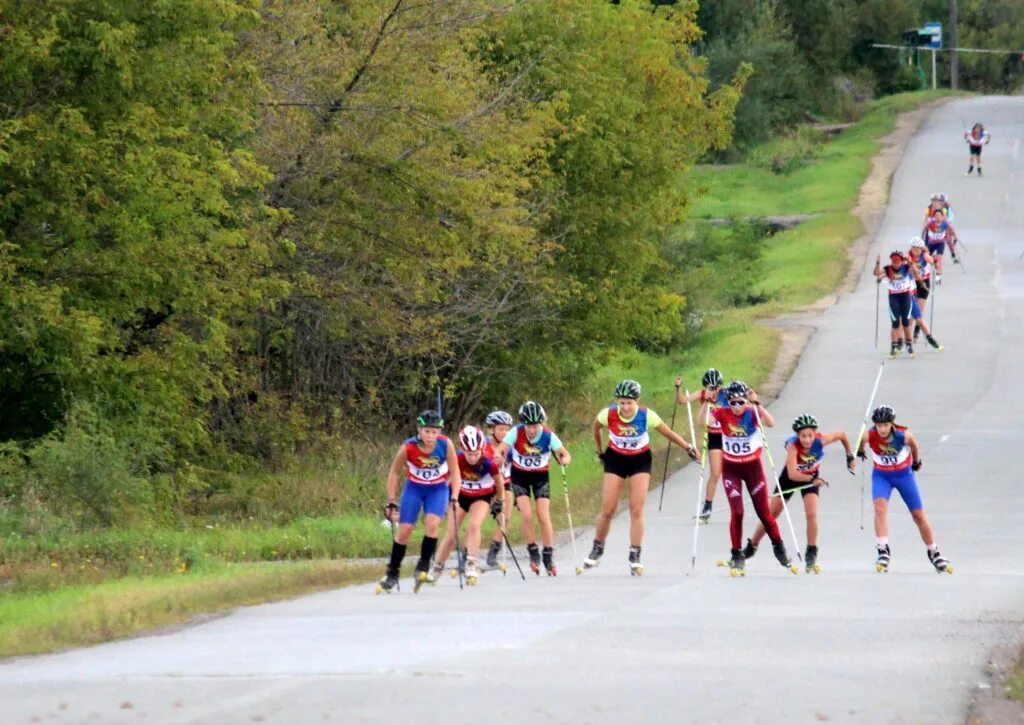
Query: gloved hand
496,506
693,454
391,511
916,465
851,461
862,454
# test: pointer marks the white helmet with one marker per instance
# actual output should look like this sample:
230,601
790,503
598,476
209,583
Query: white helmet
916,242
937,196
471,438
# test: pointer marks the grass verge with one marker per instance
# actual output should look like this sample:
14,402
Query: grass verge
59,591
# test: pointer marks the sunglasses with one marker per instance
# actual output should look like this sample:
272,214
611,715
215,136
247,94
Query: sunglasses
737,402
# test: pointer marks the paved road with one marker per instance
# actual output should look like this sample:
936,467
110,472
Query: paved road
846,646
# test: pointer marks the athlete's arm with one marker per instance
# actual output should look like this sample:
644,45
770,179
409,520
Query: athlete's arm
879,272
598,441
562,456
762,412
454,474
915,451
397,465
682,397
840,435
794,472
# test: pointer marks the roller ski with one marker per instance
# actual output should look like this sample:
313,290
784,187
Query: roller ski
933,342
594,558
534,553
779,549
472,573
941,564
461,555
749,550
549,562
421,577
735,562
705,513
882,559
910,348
387,585
811,560
635,567
894,349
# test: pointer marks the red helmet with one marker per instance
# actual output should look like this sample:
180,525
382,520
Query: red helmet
471,438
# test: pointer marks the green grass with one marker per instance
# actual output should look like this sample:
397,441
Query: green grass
65,589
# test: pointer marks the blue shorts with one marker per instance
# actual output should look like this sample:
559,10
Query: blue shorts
431,497
936,248
915,309
883,482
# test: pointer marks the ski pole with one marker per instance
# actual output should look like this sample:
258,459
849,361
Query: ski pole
458,549
878,291
398,584
568,515
501,526
798,488
860,435
508,546
668,449
775,478
931,298
700,479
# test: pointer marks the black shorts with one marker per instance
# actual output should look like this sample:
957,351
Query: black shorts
922,290
525,483
714,441
465,501
975,150
623,466
788,486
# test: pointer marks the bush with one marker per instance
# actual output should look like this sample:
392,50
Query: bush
789,152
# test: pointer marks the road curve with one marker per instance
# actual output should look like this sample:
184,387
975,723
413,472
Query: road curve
848,645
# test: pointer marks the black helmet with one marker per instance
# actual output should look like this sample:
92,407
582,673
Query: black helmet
430,419
498,417
883,414
804,421
628,389
736,389
531,412
712,378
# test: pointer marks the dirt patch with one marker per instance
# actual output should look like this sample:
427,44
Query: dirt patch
870,209
990,704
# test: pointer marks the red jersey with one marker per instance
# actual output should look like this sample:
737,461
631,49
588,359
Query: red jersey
477,480
429,468
741,435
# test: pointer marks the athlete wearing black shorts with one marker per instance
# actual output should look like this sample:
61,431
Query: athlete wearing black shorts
624,466
788,486
531,483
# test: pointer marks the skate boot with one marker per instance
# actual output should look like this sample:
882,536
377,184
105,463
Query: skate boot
422,576
882,559
917,332
780,553
811,560
472,573
534,553
492,554
894,350
595,555
705,512
933,342
940,562
737,563
749,550
549,561
979,171
435,572
635,567
388,584
938,278
910,348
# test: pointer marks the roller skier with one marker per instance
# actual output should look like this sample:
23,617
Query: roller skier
711,396
500,423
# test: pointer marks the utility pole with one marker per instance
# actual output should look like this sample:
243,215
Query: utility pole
954,61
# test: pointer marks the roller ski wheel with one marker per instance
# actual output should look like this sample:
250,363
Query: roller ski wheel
882,559
535,558
736,563
779,550
941,564
422,577
472,572
635,567
593,560
549,561
811,560
386,585
502,568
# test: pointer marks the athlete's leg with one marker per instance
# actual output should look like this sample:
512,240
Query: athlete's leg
811,512
610,489
715,459
894,319
881,490
526,516
478,511
506,506
776,508
638,485
448,543
547,531
734,495
757,486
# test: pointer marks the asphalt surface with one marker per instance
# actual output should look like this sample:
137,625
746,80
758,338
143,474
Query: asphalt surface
848,645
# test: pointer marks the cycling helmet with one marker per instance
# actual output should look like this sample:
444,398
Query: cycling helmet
430,419
917,243
712,378
804,421
471,438
736,389
531,412
937,196
943,198
628,389
499,417
883,414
